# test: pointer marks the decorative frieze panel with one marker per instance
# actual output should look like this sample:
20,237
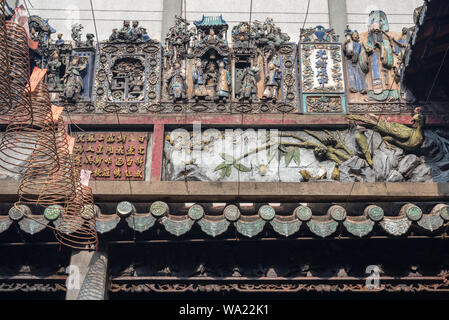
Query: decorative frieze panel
198,71
127,76
322,73
391,152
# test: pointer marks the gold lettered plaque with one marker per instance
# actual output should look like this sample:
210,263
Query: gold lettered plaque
112,155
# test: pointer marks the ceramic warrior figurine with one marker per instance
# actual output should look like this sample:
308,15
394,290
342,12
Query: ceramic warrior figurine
211,80
400,48
90,40
355,61
248,89
125,31
136,32
175,81
272,83
73,81
54,69
224,82
60,41
114,35
380,58
76,33
211,39
199,91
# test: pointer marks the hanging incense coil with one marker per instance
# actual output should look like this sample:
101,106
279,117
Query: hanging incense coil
46,189
77,227
31,145
18,73
5,89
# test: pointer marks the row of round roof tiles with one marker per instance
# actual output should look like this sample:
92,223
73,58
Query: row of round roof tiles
247,225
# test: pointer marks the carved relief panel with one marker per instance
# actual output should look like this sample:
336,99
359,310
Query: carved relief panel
322,74
128,74
375,61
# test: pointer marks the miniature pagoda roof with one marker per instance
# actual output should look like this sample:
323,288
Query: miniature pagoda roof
211,21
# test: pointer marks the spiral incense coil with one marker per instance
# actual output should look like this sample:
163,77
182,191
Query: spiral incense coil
77,228
43,189
5,89
19,73
31,146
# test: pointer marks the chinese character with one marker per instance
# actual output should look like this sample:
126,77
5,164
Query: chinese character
110,150
129,162
120,150
321,54
138,174
91,138
106,173
131,151
98,161
139,162
80,138
141,150
117,173
111,138
142,139
97,173
128,173
99,149
101,138
89,160
121,138
90,148
119,162
108,161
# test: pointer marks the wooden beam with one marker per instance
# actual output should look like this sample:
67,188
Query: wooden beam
194,191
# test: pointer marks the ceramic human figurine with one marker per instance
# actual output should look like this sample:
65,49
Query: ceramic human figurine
224,82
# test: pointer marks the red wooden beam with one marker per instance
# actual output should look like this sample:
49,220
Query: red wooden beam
157,152
238,119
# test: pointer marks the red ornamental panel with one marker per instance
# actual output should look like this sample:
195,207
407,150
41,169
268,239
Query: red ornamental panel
112,155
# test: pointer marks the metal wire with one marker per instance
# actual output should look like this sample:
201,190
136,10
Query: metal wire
77,228
18,71
20,138
30,146
5,89
43,189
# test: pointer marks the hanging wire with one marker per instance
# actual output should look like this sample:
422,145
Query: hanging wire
186,183
437,74
307,14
